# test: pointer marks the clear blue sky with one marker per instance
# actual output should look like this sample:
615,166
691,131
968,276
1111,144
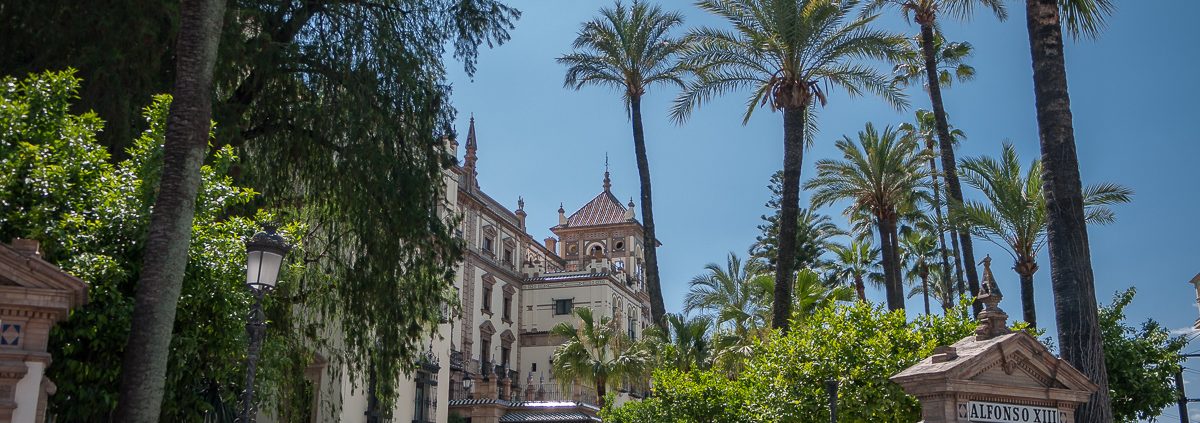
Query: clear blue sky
1133,95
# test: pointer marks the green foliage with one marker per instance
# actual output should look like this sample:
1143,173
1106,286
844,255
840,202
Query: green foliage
597,352
686,397
91,217
813,233
859,344
1141,362
737,296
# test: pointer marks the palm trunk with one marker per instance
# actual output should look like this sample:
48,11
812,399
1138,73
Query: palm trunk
953,190
898,281
1070,259
889,265
789,210
601,390
144,368
1025,267
649,241
860,287
941,222
925,289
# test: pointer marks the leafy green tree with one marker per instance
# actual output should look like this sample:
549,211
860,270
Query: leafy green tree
91,217
813,233
787,53
336,107
939,287
925,14
860,345
880,174
1142,362
737,296
812,294
1071,276
918,253
597,352
687,397
1014,213
631,49
856,263
924,127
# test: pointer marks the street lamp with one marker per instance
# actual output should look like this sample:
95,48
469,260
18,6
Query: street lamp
831,387
264,257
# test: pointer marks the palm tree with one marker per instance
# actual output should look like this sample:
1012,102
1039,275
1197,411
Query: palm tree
143,373
787,53
631,49
925,12
919,252
856,263
924,128
596,351
883,176
690,346
1070,259
737,296
949,57
939,287
1014,215
812,294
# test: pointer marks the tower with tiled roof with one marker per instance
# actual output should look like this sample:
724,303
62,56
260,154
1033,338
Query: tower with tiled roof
603,234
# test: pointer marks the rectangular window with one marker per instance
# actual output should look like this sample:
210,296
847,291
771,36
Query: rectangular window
504,357
563,306
487,244
508,256
533,367
507,308
487,298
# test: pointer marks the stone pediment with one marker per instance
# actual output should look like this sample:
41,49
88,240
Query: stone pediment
1006,365
22,268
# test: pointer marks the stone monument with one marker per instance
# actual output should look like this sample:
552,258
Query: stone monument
995,376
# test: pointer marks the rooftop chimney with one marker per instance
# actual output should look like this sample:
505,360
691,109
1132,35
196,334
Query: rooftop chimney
552,244
27,247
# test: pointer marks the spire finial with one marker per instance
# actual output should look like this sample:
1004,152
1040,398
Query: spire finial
520,203
993,321
472,146
607,181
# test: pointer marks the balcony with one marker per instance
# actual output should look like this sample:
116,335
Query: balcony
456,360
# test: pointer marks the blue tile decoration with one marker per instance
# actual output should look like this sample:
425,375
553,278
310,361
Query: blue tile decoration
10,334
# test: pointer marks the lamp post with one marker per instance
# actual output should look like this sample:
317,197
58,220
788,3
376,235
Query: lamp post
831,387
264,257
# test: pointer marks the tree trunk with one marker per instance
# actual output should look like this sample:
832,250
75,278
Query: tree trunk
601,390
144,367
789,210
1070,259
1026,267
889,265
860,288
898,281
941,222
649,241
953,190
925,288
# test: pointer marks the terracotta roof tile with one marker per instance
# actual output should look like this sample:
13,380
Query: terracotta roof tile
602,210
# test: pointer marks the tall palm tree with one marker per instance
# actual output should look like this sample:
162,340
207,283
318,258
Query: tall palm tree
143,373
924,13
919,251
787,52
950,58
631,49
880,174
596,351
1071,275
736,296
856,263
939,287
1014,215
924,128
